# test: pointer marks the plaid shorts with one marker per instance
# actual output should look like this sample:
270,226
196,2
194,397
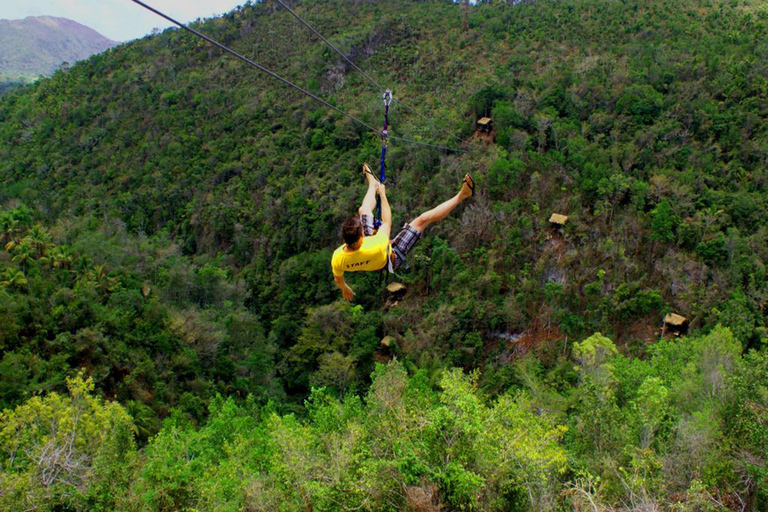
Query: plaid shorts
401,244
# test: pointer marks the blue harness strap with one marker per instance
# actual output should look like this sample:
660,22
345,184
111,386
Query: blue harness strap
383,163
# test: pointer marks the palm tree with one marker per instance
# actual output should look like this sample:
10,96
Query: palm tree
144,419
9,227
40,239
23,253
13,278
61,257
100,275
82,265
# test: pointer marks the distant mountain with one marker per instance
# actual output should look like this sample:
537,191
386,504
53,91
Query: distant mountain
39,45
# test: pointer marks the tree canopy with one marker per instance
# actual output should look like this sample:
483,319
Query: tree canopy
167,218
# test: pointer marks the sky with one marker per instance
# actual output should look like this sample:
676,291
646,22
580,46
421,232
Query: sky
119,20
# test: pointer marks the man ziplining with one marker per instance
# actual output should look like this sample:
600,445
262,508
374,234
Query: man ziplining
364,250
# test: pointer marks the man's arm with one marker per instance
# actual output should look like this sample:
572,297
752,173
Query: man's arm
346,291
386,211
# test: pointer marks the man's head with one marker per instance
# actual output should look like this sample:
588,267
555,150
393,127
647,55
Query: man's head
352,232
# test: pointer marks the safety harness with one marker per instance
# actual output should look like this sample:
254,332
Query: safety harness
389,269
383,163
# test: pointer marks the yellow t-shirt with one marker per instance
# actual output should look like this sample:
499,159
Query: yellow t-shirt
372,255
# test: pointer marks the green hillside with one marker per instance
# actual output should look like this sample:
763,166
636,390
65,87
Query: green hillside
169,214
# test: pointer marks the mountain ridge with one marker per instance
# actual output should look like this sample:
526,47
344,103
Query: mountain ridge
38,45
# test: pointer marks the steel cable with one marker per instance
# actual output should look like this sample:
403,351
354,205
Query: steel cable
373,82
278,77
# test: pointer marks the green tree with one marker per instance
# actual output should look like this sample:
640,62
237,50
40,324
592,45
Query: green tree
663,222
738,316
650,408
714,251
39,239
23,254
593,356
597,422
744,421
502,177
9,228
335,370
65,451
144,419
642,102
14,279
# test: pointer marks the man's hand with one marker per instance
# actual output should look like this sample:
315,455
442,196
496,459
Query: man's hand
347,292
381,189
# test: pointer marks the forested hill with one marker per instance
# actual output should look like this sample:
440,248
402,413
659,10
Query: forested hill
38,45
644,122
169,216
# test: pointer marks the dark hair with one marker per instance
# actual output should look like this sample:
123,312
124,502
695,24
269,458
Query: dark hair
351,230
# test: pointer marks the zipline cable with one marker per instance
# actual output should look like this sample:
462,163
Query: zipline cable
318,34
373,82
278,77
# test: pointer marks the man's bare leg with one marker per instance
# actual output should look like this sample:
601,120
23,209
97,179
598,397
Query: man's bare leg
442,210
369,201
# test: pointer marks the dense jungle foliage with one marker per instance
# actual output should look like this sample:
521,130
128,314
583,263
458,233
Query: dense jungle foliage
172,339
